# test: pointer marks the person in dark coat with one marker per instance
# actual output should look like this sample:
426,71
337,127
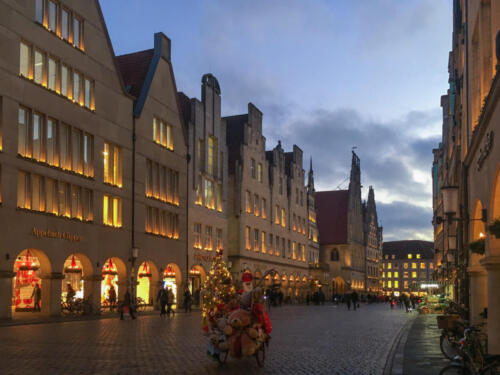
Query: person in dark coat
355,299
112,297
162,298
37,297
187,300
347,299
127,302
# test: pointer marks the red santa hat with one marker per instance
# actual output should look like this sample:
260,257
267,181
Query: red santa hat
247,277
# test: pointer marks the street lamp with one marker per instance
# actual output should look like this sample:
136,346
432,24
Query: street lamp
450,199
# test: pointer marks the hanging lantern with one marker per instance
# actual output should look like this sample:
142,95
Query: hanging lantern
109,268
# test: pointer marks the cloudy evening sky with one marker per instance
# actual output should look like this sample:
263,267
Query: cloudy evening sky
328,75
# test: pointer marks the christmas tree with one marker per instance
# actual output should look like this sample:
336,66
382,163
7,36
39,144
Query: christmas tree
218,288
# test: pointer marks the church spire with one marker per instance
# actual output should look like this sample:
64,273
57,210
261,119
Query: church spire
310,177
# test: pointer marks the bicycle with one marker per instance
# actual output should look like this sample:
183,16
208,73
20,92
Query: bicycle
472,359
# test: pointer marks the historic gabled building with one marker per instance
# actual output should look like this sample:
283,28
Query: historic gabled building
373,244
319,273
207,179
159,169
341,224
267,207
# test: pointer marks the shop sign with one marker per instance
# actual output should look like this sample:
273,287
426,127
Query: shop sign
485,150
204,257
67,236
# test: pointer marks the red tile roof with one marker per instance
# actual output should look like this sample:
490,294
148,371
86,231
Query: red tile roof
332,210
134,67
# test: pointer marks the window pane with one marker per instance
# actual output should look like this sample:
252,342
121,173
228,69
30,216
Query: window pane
39,11
64,24
105,207
52,74
76,32
22,132
37,202
37,137
52,16
24,60
88,146
76,87
64,144
106,158
64,80
51,142
76,151
38,71
22,190
87,93
170,140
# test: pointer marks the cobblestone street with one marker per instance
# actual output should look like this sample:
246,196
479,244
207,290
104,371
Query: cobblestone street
305,340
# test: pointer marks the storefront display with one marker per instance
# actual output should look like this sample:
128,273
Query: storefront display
170,283
143,282
110,280
73,275
27,269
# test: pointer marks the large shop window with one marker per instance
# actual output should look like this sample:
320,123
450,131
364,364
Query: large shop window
109,284
112,211
144,283
113,168
169,282
46,140
72,284
162,183
27,279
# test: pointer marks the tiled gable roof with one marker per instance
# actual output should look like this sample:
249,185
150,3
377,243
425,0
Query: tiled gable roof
134,67
332,210
401,249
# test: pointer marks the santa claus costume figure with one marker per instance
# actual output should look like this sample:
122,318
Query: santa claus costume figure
246,292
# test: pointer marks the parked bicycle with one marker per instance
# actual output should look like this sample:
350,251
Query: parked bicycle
472,359
77,306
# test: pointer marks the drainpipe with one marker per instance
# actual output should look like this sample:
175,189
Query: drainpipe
132,238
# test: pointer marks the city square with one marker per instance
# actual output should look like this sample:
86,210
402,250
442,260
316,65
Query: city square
224,186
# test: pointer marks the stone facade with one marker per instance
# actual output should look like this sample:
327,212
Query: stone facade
267,206
467,163
373,244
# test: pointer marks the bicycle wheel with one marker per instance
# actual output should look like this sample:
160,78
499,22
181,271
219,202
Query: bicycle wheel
448,348
455,369
260,355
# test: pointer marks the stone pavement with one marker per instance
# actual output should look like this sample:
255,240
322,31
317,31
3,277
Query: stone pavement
305,340
418,350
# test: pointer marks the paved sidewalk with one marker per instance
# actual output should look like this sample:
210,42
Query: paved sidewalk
421,353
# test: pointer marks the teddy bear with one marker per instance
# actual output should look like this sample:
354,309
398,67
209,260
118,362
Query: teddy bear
241,336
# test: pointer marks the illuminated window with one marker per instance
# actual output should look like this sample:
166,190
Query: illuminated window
25,60
396,274
386,256
212,155
162,134
23,147
263,244
113,169
431,266
162,183
383,265
414,265
218,239
208,238
162,223
414,275
77,32
405,266
209,194
248,239
248,202
418,256
383,274
383,284
64,24
389,265
277,215
264,208
396,284
252,168
271,244
389,274
405,275
256,240
219,197
197,236
410,256
38,70
259,172
294,250
283,218
88,94
65,79
294,221
77,86
303,247
112,211
405,284
256,205
389,284
52,16
52,74
39,8
199,191
422,265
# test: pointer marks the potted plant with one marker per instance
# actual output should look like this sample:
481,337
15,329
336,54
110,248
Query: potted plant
494,228
477,246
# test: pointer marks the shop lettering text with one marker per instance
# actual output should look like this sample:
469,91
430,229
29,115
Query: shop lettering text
39,233
204,257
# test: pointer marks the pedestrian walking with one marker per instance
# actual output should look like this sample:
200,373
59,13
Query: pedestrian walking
170,302
348,301
37,297
162,298
127,306
355,299
112,298
187,300
321,296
